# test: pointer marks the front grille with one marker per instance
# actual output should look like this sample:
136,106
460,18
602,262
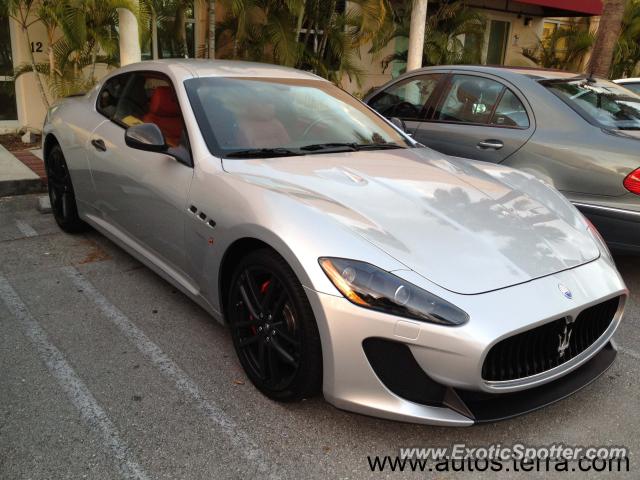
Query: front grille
545,347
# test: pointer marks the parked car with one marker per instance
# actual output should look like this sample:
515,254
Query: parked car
580,135
632,84
343,256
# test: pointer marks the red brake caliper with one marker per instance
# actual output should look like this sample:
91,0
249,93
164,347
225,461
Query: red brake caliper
263,290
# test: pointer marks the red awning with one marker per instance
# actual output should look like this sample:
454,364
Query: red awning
588,7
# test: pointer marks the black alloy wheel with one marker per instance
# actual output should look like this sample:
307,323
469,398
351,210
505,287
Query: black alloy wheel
274,331
61,194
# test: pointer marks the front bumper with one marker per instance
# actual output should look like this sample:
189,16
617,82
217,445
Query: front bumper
451,358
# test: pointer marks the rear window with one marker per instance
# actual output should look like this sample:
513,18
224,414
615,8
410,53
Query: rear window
603,103
634,87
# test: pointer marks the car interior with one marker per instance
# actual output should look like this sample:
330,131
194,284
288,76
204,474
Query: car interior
141,98
470,101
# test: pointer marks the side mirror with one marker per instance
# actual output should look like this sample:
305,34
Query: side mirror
149,137
399,123
146,136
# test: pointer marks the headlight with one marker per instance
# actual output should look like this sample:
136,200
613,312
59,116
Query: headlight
602,245
371,287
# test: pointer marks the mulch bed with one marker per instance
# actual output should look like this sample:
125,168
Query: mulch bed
13,142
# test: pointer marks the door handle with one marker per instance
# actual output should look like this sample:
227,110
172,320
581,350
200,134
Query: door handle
490,145
98,144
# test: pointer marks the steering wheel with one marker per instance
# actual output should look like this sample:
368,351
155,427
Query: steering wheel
406,109
313,124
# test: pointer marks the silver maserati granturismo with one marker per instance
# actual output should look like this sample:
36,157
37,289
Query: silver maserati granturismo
345,257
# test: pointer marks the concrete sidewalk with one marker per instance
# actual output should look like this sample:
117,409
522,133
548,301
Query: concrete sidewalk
20,173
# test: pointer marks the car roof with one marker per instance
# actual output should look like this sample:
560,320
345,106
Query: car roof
184,68
627,80
510,72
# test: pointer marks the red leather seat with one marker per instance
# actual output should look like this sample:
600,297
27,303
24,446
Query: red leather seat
164,111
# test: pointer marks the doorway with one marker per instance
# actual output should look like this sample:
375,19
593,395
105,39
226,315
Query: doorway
8,109
498,41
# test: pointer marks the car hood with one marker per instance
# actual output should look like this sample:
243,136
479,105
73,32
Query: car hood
468,226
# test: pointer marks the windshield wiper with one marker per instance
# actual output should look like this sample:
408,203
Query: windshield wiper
264,153
353,146
314,147
378,146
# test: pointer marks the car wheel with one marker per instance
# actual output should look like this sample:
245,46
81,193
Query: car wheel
273,328
61,195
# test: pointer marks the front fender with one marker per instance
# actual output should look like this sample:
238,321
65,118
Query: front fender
299,232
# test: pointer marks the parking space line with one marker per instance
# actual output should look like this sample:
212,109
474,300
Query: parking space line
243,444
78,393
26,229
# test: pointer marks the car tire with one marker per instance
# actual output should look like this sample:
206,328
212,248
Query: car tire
274,331
61,193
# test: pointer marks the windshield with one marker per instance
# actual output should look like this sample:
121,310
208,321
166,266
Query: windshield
605,103
268,117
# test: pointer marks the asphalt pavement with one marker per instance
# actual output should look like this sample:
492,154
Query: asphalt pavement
107,371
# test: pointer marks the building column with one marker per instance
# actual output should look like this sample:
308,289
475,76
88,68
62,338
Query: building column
129,37
416,34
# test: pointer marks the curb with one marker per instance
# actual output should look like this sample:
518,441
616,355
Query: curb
22,187
26,185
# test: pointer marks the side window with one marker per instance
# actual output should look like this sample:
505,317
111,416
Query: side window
510,112
110,94
406,99
470,99
150,98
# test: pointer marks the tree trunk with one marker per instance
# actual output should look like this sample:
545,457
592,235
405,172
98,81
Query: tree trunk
94,59
608,33
181,31
212,29
416,34
311,17
36,75
327,25
50,53
300,19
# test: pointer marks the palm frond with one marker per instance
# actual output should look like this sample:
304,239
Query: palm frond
564,49
282,38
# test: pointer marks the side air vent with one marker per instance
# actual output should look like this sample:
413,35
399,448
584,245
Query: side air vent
202,216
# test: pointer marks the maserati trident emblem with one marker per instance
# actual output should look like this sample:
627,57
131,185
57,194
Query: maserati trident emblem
563,340
565,291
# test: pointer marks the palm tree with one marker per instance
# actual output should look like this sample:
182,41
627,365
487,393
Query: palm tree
260,30
167,26
211,33
564,49
627,53
89,36
608,33
49,13
308,34
454,34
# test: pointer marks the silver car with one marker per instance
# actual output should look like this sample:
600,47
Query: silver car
345,258
578,134
632,84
